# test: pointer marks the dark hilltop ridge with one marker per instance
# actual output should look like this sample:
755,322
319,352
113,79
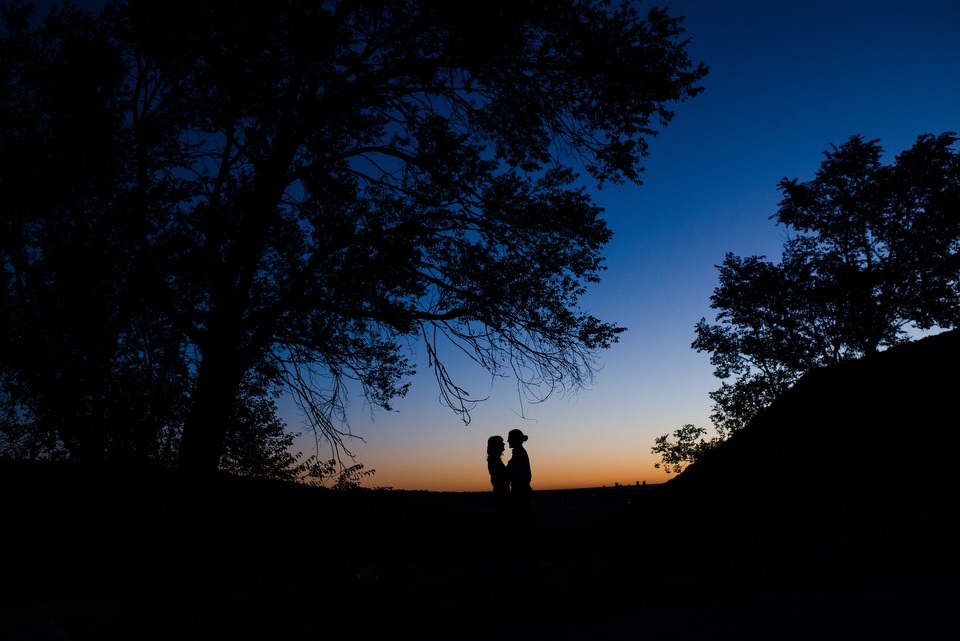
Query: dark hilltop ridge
883,426
855,467
834,513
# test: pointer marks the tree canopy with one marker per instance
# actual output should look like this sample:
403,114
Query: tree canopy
872,256
208,203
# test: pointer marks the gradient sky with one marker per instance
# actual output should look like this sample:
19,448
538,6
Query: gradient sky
786,80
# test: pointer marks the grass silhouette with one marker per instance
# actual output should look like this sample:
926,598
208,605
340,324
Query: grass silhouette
834,512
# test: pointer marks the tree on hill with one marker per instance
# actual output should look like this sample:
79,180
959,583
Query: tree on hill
873,251
291,192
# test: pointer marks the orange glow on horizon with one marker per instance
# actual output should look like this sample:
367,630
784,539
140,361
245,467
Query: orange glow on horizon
546,477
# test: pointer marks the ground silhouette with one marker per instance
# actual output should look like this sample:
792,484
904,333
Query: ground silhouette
855,464
832,513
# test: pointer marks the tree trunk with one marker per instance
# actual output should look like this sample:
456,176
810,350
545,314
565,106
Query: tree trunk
218,382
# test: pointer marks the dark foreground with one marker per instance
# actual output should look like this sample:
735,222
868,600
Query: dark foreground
111,555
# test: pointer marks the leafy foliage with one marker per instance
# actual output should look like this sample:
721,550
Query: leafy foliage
688,447
292,193
336,475
873,253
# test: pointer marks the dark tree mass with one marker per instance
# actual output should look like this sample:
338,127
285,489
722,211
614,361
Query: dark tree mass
872,256
207,204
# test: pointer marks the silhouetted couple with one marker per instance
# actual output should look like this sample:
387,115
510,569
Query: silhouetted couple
511,482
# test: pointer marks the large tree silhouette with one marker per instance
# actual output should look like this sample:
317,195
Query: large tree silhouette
298,189
873,252
874,249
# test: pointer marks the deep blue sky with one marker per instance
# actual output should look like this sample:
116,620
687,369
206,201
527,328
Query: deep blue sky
786,80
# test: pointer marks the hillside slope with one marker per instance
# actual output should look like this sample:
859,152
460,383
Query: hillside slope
881,425
836,507
853,468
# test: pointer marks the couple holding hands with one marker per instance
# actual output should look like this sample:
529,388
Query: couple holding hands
511,482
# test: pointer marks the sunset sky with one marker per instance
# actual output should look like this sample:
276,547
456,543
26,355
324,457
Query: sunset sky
786,80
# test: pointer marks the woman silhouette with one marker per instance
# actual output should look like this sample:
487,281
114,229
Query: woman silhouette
498,474
518,471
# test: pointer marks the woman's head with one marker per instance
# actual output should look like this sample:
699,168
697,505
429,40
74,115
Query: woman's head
495,446
516,437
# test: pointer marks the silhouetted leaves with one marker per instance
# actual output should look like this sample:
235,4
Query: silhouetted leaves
873,251
291,192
